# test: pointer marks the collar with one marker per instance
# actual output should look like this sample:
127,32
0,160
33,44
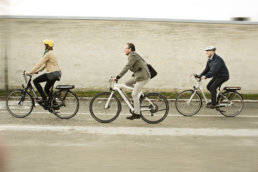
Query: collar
211,57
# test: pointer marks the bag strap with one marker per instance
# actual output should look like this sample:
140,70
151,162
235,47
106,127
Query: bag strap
142,59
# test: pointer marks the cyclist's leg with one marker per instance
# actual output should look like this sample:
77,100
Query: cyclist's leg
136,94
213,88
130,82
39,79
210,83
48,85
209,87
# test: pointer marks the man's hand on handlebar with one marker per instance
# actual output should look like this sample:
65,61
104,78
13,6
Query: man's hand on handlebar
203,77
200,77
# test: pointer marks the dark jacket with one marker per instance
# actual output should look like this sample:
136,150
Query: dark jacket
215,68
137,66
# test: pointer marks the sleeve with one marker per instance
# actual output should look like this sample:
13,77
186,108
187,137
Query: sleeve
41,68
40,64
214,69
206,70
129,64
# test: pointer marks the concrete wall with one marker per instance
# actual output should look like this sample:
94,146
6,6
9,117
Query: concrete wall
90,51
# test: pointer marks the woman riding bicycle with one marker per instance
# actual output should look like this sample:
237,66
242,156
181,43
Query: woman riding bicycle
49,62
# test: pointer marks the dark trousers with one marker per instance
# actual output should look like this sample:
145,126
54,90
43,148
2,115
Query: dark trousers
49,84
213,85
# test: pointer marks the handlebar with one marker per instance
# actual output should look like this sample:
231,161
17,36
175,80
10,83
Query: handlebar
112,79
25,78
198,77
27,74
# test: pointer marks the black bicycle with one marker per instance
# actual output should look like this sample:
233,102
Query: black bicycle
62,103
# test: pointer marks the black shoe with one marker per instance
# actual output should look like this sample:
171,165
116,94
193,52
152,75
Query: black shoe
134,116
211,106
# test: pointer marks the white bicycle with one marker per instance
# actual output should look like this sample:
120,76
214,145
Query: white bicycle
229,102
105,107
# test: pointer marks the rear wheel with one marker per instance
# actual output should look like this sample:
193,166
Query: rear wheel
230,104
19,103
65,104
154,108
188,103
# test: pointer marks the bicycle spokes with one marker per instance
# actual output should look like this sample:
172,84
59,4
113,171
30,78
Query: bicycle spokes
230,104
154,108
105,107
188,103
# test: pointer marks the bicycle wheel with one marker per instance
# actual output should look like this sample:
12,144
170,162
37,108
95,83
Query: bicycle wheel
230,105
19,103
65,104
103,112
188,103
154,108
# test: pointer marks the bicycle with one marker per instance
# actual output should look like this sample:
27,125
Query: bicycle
105,107
229,102
64,103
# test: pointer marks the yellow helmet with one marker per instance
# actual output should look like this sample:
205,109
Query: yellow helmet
49,43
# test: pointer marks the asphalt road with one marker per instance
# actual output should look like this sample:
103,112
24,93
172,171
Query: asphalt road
205,142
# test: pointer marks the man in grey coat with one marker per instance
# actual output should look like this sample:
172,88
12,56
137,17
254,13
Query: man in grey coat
140,77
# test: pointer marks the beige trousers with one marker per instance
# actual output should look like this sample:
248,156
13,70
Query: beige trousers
137,87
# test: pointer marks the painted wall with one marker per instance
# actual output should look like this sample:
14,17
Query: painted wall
90,51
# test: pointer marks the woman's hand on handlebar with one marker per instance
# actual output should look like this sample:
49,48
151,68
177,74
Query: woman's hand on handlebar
27,73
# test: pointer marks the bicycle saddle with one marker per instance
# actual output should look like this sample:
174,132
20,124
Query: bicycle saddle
232,88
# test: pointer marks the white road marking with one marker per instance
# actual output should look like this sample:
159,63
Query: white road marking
135,130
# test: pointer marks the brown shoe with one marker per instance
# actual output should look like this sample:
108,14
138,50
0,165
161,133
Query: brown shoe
134,116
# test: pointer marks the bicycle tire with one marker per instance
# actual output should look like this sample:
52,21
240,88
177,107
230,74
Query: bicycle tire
179,99
223,110
59,103
19,99
154,107
102,103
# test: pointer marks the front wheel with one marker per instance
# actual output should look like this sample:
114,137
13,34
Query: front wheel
105,107
230,104
188,103
154,108
65,104
19,103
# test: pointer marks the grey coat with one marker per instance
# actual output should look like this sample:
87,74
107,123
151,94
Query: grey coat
137,66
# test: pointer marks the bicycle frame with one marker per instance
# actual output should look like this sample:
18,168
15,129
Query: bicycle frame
29,87
199,87
117,87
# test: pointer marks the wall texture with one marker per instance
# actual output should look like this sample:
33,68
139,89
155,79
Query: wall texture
90,51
